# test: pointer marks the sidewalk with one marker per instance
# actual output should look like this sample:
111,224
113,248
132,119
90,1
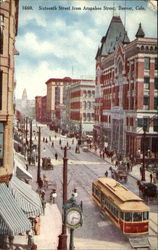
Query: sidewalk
50,228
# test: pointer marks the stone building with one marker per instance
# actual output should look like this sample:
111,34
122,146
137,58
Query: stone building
8,32
127,92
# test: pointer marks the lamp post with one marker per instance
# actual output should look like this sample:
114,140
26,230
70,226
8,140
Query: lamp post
39,158
62,245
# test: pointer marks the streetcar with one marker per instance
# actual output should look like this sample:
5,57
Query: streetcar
126,210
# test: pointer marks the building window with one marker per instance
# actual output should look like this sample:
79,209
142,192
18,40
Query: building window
156,125
146,123
156,82
1,143
156,103
146,82
146,102
140,122
156,63
1,82
89,93
84,116
1,33
84,93
88,116
147,63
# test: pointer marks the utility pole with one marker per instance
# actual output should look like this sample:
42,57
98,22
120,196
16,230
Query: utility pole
143,166
26,129
62,245
39,158
30,156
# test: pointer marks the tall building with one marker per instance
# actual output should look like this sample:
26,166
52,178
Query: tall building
127,92
80,106
8,32
56,94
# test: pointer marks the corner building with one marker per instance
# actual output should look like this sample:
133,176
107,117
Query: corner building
127,92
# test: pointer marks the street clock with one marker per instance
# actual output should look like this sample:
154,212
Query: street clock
73,217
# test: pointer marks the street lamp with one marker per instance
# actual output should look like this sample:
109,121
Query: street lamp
62,245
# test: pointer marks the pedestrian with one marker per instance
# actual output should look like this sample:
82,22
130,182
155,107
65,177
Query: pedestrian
37,225
30,239
103,155
72,141
45,181
60,142
42,194
151,178
52,144
43,205
106,174
56,156
67,144
27,167
46,140
11,239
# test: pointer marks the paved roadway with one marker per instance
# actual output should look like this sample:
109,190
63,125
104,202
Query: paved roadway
83,168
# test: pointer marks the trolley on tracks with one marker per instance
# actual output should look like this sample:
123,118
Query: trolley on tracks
126,210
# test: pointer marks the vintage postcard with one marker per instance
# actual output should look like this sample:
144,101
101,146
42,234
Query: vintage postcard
82,169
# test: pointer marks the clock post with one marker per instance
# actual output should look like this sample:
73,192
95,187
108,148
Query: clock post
73,217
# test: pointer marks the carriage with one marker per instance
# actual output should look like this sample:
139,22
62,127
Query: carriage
46,163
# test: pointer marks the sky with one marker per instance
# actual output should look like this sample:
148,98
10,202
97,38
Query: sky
58,39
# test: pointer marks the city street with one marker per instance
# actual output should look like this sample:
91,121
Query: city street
83,168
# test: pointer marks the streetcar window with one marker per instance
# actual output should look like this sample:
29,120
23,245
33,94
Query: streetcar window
128,216
145,215
122,215
137,216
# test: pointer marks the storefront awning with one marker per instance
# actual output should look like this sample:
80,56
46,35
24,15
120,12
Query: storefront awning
27,199
20,168
12,219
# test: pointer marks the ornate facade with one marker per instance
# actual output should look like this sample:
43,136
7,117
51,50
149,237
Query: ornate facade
127,95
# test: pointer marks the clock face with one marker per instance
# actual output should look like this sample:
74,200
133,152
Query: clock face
73,217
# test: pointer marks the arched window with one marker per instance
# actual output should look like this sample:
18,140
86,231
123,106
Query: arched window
84,93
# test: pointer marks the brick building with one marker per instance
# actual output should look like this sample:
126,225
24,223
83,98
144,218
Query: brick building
127,92
40,109
80,106
8,32
57,104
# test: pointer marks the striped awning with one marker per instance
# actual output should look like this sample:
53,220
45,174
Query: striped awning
12,219
27,199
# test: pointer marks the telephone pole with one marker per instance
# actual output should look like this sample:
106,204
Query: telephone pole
39,158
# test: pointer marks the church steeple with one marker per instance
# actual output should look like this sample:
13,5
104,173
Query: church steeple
140,32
